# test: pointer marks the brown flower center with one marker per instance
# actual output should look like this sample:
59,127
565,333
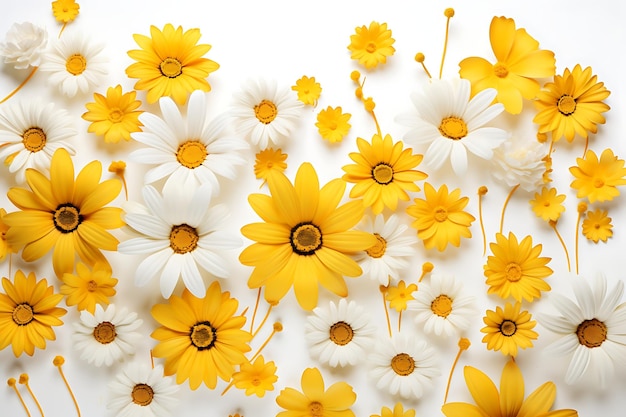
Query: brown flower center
371,47
92,286
76,64
34,139
116,115
306,238
203,335
379,248
591,333
67,218
442,306
316,409
341,333
513,272
104,332
266,111
453,128
566,105
142,394
500,70
441,214
382,173
508,328
171,67
183,238
23,314
403,364
191,154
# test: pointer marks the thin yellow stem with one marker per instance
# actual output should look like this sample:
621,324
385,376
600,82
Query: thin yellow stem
553,224
62,29
576,239
426,268
426,70
399,320
256,307
377,125
19,87
383,289
230,384
586,146
69,389
263,321
125,187
481,192
151,359
32,394
445,47
463,345
277,328
506,202
11,383
245,310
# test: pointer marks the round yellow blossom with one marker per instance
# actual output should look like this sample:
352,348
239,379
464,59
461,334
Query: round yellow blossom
308,90
547,204
597,226
65,10
371,45
257,377
598,179
269,161
509,329
88,287
114,116
399,295
332,124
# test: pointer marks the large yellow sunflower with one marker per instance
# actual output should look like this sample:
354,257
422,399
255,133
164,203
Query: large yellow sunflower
64,214
383,173
170,63
200,338
304,239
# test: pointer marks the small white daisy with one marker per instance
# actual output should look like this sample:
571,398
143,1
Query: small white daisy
390,254
403,365
142,391
340,334
24,45
187,151
180,231
75,64
442,306
265,114
592,329
106,335
30,132
520,162
451,124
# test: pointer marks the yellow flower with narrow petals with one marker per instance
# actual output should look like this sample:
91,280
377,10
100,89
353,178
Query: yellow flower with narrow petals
371,45
269,161
308,90
518,62
548,204
65,10
114,116
399,295
5,249
332,124
257,377
597,226
305,238
509,329
398,411
598,179
88,287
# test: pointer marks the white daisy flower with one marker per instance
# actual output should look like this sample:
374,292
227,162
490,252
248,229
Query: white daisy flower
265,114
592,329
403,365
30,132
142,391
451,124
340,334
75,64
390,254
520,162
442,306
24,45
187,151
106,335
180,231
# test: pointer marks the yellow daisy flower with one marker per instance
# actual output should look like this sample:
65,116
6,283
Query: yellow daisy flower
256,377
332,124
383,173
308,90
200,338
65,10
314,400
304,239
571,105
509,329
268,161
371,46
398,411
597,180
5,248
399,295
515,269
597,226
114,116
439,218
170,63
28,310
88,287
64,215
518,62
547,204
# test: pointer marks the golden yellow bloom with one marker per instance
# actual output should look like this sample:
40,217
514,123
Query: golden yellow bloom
398,411
383,173
5,248
308,90
597,226
399,295
65,10
518,62
64,214
571,105
28,310
509,329
371,46
170,63
515,269
597,180
314,400
269,161
115,116
88,287
548,205
439,218
333,124
257,377
200,338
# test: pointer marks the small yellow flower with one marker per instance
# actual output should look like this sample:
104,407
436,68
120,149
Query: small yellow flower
118,168
398,411
88,287
114,116
597,180
597,226
308,90
65,10
333,124
399,295
5,248
509,329
371,46
269,161
257,377
548,205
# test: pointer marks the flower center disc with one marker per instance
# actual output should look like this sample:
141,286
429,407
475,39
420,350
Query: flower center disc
66,218
379,248
116,115
403,364
382,173
183,238
76,64
142,394
171,67
104,332
341,333
500,70
306,238
23,314
591,333
598,183
92,286
191,154
442,306
266,111
513,272
203,335
441,214
453,128
34,139
508,328
566,105
316,409
371,47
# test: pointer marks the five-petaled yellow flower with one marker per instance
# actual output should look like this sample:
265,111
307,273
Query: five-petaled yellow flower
548,204
371,45
256,377
114,116
597,226
308,90
598,179
509,329
399,295
332,124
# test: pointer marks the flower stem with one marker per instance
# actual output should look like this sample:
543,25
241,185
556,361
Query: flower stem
11,383
277,328
582,208
445,42
383,289
263,321
464,344
481,192
506,202
399,320
553,225
58,362
256,307
62,29
19,87
24,380
586,147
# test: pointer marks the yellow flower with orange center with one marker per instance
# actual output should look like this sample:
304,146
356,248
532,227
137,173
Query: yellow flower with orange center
308,90
597,226
598,179
114,116
371,45
548,204
508,329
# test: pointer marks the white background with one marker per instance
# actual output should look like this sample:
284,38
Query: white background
284,40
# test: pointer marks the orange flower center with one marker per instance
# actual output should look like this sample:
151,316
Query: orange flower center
306,238
598,183
183,238
508,328
116,115
76,64
67,218
142,394
92,286
316,409
382,173
371,47
104,332
23,314
440,214
203,335
403,364
500,70
513,272
191,154
171,67
591,333
566,105
341,333
379,248
441,306
34,139
266,111
453,128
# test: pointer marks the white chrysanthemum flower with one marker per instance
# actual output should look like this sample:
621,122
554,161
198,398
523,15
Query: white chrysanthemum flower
75,64
520,162
442,306
592,329
180,231
30,132
265,114
403,365
340,334
187,151
451,124
390,254
24,45
106,335
142,391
